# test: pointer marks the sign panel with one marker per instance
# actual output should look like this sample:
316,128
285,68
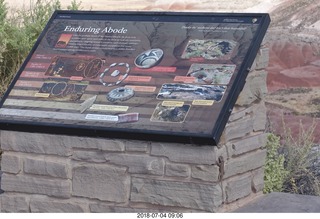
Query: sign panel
142,75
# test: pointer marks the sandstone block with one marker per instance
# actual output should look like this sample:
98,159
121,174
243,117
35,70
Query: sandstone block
35,143
179,170
238,129
101,144
46,206
103,182
36,185
239,112
89,156
177,194
137,146
141,164
258,180
1,191
221,151
14,204
184,153
254,89
205,173
254,64
245,97
59,144
237,188
258,83
244,163
260,117
250,143
10,163
262,60
223,139
104,208
48,167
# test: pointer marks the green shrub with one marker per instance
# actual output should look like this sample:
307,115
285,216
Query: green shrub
35,19
274,172
4,28
290,164
19,32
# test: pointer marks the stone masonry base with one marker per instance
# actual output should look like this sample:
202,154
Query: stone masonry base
57,173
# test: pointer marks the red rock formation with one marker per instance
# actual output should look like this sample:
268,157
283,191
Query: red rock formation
292,65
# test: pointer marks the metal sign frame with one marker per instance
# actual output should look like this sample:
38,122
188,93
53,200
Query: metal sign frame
158,76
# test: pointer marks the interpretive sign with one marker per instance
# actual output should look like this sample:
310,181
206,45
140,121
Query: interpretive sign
141,75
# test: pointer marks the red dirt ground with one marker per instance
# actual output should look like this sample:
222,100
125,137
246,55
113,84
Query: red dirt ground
293,40
292,64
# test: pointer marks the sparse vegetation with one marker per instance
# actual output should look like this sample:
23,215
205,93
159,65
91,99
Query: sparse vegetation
295,90
74,5
290,165
19,32
301,100
274,172
299,158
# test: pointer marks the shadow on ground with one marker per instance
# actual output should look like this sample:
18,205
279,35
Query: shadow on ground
282,203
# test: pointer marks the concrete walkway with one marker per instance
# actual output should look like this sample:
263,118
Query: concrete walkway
283,203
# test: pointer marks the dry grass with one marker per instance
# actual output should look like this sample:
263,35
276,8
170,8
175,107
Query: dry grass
302,177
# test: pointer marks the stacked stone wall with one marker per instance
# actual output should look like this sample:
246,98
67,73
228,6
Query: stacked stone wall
57,173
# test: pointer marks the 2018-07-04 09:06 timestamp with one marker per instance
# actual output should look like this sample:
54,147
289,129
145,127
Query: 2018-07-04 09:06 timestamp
159,215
